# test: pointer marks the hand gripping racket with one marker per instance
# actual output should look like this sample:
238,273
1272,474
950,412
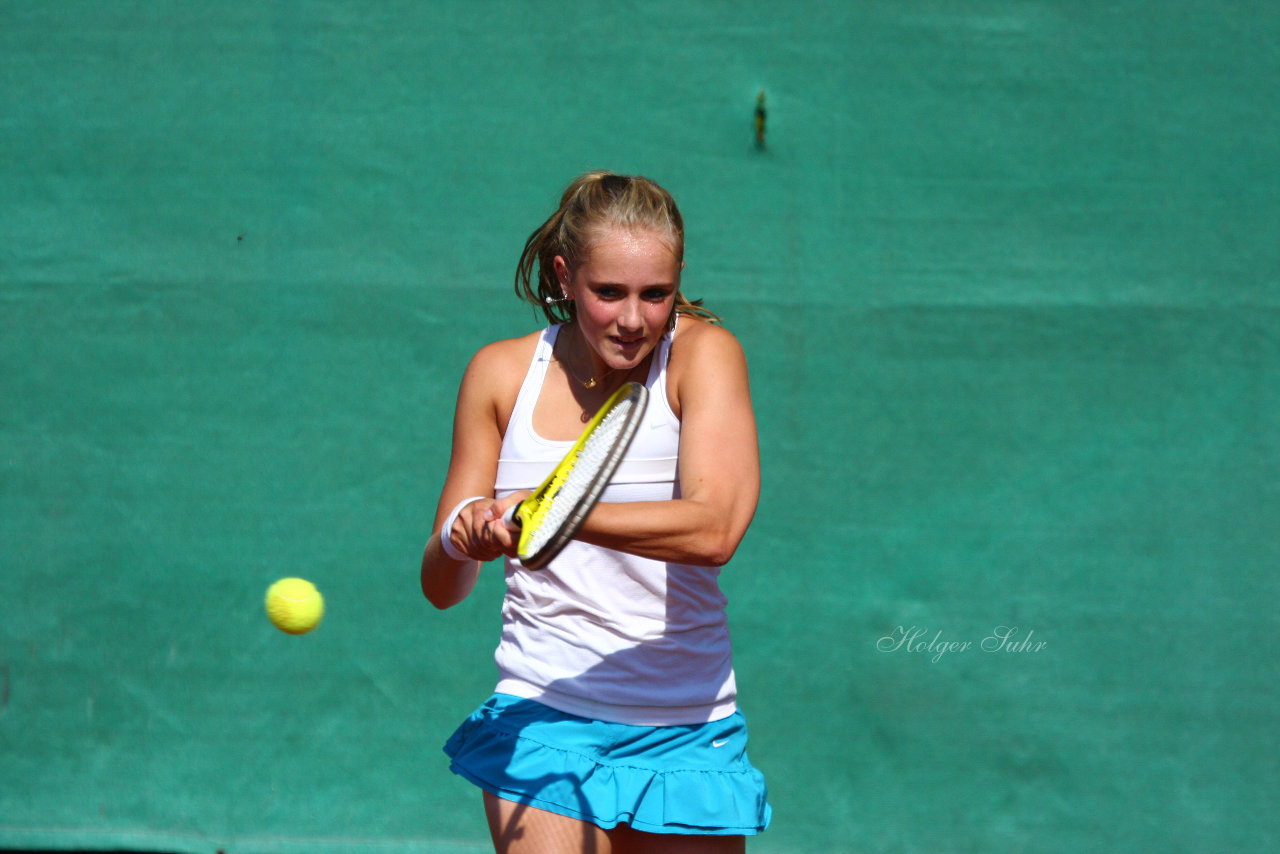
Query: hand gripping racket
549,518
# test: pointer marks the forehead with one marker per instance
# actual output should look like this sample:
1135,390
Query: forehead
611,246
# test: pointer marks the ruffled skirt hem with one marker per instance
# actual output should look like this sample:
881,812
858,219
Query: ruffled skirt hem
684,779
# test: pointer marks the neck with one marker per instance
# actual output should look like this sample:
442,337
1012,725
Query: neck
584,366
582,363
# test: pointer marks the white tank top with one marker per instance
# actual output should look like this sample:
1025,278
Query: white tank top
600,633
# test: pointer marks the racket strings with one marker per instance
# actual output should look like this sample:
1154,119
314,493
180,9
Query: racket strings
567,489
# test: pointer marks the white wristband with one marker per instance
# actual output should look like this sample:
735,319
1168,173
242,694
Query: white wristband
446,542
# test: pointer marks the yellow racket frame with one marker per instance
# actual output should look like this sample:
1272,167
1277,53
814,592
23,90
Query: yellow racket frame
532,510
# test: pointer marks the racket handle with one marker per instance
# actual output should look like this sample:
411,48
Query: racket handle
510,519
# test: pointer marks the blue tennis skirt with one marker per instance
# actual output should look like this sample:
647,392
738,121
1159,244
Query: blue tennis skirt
692,779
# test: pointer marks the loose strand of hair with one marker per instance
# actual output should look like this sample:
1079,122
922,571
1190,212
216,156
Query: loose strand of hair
534,255
694,308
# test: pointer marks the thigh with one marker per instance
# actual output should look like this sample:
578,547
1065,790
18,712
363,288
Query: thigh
520,829
628,841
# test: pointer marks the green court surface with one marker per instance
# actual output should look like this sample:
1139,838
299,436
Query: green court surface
1006,274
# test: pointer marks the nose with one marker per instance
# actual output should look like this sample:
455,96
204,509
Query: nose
631,316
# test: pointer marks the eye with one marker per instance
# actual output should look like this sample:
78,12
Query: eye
657,294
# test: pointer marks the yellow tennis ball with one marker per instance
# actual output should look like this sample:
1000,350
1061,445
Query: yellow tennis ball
294,605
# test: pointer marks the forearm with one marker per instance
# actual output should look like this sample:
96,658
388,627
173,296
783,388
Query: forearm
681,531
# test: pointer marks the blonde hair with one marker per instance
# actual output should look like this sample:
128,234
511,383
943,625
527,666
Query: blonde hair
595,201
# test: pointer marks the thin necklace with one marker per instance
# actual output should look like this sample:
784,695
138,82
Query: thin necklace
593,382
589,382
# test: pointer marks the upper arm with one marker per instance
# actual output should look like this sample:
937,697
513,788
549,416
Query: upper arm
477,431
719,447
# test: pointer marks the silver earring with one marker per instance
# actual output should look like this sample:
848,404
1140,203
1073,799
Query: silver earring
565,298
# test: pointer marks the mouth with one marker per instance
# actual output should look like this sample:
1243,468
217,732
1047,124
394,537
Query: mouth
627,344
627,349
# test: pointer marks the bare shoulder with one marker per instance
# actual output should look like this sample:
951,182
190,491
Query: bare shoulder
502,354
498,363
707,361
496,371
701,345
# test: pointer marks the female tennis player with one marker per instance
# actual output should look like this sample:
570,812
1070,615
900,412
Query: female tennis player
614,725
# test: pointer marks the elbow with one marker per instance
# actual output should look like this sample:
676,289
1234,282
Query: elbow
716,542
716,559
720,558
433,596
445,583
720,533
440,599
718,550
441,593
433,588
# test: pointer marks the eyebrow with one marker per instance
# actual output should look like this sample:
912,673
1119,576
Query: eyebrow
620,284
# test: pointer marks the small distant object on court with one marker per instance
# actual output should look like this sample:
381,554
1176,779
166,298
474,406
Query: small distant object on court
760,120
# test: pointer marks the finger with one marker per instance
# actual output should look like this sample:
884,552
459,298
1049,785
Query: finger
503,538
477,519
467,533
497,508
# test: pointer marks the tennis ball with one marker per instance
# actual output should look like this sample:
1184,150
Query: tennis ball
294,605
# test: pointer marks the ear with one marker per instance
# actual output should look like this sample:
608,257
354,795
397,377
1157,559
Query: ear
562,271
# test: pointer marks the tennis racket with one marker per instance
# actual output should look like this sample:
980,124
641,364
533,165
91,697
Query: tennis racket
548,519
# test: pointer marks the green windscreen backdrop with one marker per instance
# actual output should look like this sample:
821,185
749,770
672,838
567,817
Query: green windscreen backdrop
1007,277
